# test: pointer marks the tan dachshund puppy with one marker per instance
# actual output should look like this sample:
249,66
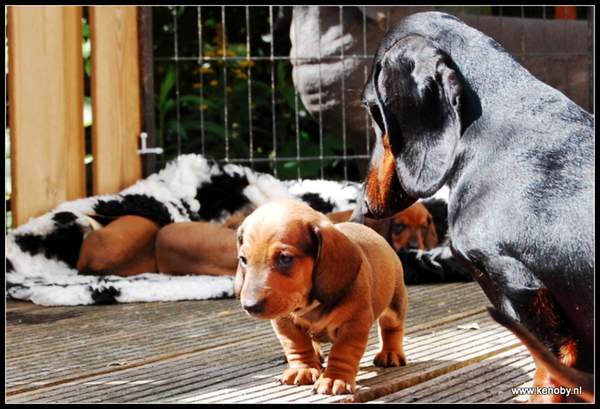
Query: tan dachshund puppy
196,248
124,247
132,245
320,282
413,228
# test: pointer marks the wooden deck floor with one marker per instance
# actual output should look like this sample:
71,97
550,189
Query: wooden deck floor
211,352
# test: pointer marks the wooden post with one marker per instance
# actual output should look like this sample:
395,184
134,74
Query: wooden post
147,85
116,102
46,108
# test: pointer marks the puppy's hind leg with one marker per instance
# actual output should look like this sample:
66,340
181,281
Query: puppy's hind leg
391,333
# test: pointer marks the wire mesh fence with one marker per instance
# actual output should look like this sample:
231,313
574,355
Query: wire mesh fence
278,88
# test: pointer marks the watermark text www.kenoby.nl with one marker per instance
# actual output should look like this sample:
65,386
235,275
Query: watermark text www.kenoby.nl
537,390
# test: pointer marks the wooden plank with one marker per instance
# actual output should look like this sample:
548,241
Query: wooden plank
46,108
484,380
115,98
212,352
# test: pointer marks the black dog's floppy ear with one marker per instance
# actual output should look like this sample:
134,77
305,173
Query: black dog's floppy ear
419,93
337,263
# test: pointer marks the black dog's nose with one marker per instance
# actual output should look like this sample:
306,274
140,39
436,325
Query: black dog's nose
254,307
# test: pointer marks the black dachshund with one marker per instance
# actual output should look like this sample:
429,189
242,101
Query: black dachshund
450,106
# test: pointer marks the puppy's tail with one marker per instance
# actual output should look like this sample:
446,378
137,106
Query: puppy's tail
566,375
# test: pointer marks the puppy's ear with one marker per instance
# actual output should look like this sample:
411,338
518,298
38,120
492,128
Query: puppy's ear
419,94
238,281
337,264
431,238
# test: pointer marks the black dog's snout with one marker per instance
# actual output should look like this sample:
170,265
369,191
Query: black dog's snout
254,307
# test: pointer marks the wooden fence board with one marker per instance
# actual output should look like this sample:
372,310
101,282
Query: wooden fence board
46,108
115,98
46,89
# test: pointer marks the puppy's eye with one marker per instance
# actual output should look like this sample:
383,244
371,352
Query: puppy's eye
243,261
398,228
424,229
285,259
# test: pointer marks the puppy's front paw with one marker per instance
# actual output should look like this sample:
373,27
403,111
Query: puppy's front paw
330,386
390,358
299,376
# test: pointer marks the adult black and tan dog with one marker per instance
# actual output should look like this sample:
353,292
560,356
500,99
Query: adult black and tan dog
450,106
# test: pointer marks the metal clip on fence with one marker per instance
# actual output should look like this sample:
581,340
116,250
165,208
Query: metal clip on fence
146,150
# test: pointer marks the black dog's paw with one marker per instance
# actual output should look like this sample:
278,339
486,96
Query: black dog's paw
431,266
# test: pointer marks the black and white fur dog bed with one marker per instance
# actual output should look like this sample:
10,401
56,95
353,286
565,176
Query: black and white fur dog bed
41,255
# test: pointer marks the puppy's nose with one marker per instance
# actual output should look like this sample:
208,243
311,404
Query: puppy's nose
254,307
413,245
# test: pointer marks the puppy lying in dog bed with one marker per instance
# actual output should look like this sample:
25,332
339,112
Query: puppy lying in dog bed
132,245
